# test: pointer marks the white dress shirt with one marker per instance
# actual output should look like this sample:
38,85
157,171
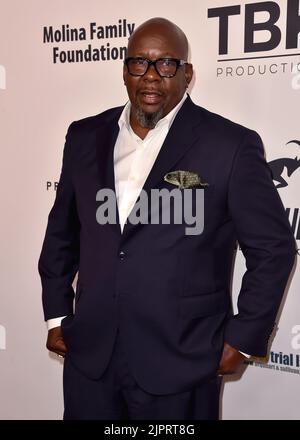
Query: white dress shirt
134,157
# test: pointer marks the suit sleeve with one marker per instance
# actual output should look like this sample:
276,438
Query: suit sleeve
59,259
268,245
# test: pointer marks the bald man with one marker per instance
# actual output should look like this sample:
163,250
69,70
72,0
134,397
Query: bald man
151,331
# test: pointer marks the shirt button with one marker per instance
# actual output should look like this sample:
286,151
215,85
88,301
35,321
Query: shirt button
122,255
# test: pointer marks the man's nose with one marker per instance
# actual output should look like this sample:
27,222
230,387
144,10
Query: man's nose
151,74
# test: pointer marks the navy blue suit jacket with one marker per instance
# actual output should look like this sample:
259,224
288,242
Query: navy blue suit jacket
167,291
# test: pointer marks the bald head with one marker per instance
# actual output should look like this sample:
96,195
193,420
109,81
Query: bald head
161,27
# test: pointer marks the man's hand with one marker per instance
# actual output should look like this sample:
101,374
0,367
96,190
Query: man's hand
230,361
55,342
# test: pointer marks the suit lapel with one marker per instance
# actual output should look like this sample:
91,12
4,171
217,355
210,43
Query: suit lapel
184,132
181,137
106,139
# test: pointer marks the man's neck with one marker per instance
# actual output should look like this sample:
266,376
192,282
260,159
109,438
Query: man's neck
142,132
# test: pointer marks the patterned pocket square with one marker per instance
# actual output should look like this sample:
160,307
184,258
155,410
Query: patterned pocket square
184,179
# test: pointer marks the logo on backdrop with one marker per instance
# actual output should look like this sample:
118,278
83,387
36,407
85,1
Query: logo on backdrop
293,216
284,170
282,361
2,78
279,361
2,338
266,48
92,33
51,185
284,167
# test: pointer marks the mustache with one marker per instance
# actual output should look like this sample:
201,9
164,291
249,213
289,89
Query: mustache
150,91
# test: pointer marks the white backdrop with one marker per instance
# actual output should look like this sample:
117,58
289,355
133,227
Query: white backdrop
39,99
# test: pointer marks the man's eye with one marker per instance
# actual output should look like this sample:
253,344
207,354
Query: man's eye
140,61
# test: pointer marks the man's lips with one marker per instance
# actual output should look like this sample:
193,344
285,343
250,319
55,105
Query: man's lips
149,96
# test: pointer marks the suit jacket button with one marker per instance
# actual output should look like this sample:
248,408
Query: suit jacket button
122,255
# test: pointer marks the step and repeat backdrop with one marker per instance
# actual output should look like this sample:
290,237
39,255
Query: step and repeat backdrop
61,60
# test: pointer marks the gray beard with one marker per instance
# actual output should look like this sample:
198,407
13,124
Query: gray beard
148,120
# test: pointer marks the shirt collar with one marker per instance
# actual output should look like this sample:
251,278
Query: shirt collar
167,120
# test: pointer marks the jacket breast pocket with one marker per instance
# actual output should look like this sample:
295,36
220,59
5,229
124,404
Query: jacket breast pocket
204,305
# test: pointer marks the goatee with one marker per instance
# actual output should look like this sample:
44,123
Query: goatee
148,120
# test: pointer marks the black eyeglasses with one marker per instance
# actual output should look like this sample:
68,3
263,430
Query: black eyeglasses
165,67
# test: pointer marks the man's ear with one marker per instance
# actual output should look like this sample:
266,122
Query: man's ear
124,74
188,73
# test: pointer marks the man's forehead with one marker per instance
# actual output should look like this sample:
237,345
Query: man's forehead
160,36
147,43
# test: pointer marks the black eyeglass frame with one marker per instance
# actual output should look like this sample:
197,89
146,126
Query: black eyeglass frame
178,62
